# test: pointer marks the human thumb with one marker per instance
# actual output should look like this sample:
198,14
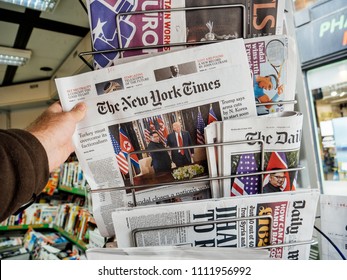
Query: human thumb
79,111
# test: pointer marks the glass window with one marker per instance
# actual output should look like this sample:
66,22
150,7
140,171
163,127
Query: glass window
328,86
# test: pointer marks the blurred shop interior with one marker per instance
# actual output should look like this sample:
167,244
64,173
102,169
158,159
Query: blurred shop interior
321,29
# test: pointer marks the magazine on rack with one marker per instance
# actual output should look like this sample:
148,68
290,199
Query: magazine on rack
280,136
273,65
115,25
128,105
283,218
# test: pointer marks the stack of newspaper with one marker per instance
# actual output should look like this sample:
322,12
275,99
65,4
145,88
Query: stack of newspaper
269,143
283,220
232,95
214,77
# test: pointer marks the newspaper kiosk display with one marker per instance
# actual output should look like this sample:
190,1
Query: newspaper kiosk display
292,245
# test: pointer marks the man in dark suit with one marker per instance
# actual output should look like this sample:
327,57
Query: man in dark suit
161,161
179,138
275,183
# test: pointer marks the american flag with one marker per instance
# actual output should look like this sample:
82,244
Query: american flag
200,139
163,132
127,148
147,135
121,159
278,160
211,116
146,132
246,185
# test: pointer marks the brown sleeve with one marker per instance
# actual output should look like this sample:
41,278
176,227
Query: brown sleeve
24,169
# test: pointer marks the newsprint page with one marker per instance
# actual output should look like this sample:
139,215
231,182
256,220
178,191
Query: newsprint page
123,101
143,25
283,219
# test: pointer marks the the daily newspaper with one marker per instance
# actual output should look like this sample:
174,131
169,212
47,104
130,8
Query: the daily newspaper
125,101
280,135
133,24
283,220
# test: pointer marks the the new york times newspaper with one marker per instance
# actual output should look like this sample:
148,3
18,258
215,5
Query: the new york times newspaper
129,101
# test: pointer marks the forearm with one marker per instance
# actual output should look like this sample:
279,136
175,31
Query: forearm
24,169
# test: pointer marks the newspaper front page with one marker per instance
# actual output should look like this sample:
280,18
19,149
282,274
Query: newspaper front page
120,24
283,218
280,135
125,101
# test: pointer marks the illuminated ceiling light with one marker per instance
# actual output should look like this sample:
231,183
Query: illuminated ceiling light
342,94
41,5
333,93
14,57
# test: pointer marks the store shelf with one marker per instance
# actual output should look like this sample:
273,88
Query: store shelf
25,227
71,238
72,190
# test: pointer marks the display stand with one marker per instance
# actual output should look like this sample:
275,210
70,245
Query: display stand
262,172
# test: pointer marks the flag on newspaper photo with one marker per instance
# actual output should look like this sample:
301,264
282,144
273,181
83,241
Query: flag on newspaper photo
277,161
127,148
211,116
121,159
246,185
200,139
163,132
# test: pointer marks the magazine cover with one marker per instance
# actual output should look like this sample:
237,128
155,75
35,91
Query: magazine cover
141,25
247,221
144,117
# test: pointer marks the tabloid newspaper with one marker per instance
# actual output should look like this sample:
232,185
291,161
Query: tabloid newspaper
114,25
273,64
280,134
285,218
127,102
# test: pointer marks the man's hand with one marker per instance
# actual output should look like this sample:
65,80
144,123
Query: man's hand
54,129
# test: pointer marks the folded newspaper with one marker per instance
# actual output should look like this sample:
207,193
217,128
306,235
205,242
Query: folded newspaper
128,102
278,150
118,24
284,221
268,143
